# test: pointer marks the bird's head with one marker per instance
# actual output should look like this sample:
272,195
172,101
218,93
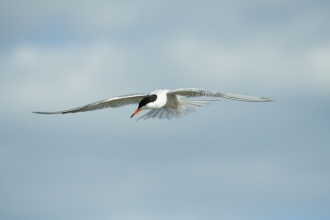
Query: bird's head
144,102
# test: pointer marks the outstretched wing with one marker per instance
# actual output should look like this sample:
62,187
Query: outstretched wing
193,92
106,103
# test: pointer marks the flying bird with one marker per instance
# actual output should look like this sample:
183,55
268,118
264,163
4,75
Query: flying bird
163,103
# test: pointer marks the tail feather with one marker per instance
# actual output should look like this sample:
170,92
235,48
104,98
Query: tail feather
184,107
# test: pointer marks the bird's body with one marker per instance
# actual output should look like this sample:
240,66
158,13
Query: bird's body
163,103
162,99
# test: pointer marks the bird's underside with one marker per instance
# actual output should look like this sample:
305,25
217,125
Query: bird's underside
177,109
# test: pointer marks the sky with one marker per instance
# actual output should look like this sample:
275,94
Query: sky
230,160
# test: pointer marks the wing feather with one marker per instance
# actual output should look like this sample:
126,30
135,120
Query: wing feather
106,103
194,92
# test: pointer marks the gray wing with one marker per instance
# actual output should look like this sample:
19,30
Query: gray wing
193,92
106,103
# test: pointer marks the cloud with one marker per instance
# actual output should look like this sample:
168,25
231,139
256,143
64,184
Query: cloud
319,60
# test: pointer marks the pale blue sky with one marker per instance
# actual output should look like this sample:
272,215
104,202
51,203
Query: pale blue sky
230,160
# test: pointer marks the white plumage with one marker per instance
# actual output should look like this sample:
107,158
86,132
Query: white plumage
163,103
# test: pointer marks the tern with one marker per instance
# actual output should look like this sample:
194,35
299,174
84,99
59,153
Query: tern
162,103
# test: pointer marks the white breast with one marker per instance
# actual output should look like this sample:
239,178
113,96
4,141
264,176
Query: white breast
161,100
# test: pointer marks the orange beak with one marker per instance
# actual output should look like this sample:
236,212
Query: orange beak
137,111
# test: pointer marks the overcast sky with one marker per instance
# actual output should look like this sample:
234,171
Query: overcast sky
231,160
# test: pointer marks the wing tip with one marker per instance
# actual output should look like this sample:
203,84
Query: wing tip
47,113
38,112
267,99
